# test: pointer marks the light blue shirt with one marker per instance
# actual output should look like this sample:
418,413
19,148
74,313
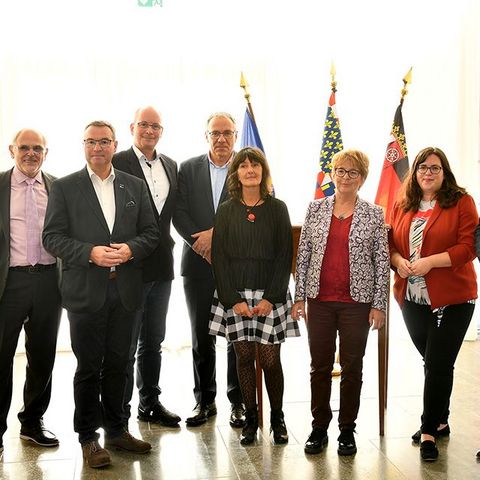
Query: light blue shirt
218,175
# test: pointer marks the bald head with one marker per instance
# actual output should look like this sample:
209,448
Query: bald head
147,130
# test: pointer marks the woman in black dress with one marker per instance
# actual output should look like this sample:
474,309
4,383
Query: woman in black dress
251,259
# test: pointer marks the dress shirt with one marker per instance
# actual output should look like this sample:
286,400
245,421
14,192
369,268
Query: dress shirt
156,178
218,175
105,194
18,224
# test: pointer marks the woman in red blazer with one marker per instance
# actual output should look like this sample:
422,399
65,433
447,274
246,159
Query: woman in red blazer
432,249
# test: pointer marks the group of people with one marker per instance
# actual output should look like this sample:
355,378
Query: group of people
98,243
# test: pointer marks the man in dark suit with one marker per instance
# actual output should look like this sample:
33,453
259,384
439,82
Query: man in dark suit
29,294
159,173
99,222
201,188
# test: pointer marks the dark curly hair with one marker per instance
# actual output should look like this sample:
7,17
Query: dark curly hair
411,193
254,155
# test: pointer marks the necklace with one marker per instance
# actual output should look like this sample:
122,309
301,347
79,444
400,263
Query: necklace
250,215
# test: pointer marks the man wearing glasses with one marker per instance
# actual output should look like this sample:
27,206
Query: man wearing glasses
201,188
99,222
29,295
159,173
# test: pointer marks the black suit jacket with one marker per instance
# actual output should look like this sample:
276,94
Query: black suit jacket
194,212
5,186
74,224
158,265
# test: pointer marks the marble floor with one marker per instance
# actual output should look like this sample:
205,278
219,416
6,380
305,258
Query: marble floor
213,450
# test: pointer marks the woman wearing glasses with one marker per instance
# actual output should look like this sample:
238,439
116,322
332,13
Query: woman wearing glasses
432,249
342,273
252,260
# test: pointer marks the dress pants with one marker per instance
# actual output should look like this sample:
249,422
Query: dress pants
438,342
199,294
31,301
149,333
351,322
101,343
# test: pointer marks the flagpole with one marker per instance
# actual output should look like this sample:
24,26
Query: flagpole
333,72
258,368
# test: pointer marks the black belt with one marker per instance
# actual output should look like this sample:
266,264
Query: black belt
33,268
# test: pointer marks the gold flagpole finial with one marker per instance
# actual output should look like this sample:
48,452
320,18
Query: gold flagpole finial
407,79
244,85
332,75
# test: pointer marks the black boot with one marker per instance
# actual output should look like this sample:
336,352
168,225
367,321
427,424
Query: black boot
277,426
249,431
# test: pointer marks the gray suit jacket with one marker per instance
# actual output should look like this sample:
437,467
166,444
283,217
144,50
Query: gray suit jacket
74,224
5,185
194,212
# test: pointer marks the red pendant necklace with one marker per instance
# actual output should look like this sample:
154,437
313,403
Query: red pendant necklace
250,215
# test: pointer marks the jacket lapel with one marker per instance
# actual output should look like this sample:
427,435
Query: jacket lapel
205,181
5,203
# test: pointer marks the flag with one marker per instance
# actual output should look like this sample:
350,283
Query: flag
395,166
250,135
331,144
251,138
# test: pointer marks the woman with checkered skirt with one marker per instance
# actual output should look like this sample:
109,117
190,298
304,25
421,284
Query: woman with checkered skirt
251,260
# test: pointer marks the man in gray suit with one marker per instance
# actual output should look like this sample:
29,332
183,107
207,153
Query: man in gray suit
201,188
29,295
99,222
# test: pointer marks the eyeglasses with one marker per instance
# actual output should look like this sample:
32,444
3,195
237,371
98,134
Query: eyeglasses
434,169
227,134
37,149
341,172
156,127
102,143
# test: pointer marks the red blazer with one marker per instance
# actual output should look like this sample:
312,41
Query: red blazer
448,230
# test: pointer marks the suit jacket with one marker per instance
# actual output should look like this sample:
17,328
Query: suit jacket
367,247
74,224
447,230
195,212
158,265
5,185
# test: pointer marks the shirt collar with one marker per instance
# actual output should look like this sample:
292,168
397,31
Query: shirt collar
92,174
20,177
223,166
141,156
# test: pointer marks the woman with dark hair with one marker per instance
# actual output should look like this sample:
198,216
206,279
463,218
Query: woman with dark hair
431,251
251,260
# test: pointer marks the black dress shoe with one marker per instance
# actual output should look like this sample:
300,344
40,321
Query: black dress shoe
39,435
346,443
428,451
158,414
317,441
201,413
237,415
444,432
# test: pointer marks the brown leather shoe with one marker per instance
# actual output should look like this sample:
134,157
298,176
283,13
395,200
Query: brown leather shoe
127,442
95,455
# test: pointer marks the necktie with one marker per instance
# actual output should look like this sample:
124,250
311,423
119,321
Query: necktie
32,222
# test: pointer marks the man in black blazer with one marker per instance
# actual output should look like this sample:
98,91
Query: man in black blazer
201,188
99,222
159,173
29,295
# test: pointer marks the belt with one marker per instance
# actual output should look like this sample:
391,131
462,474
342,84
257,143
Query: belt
112,275
33,268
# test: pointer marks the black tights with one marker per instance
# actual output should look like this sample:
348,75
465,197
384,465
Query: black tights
269,356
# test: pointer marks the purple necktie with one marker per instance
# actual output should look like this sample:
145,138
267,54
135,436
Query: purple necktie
33,224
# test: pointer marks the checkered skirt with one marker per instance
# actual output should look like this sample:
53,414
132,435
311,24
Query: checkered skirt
273,328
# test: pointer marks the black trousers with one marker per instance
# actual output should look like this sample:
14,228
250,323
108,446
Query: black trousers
31,301
101,343
199,295
438,342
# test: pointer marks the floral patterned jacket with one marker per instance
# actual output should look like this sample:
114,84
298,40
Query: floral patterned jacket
368,249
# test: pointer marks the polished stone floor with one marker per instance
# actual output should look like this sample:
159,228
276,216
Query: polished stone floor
213,450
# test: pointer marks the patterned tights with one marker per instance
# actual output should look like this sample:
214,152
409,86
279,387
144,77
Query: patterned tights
269,356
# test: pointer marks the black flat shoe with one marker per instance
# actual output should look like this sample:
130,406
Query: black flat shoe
278,427
444,432
428,451
346,443
316,442
249,431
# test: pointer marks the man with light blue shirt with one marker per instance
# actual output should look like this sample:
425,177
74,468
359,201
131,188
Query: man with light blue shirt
201,188
159,172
